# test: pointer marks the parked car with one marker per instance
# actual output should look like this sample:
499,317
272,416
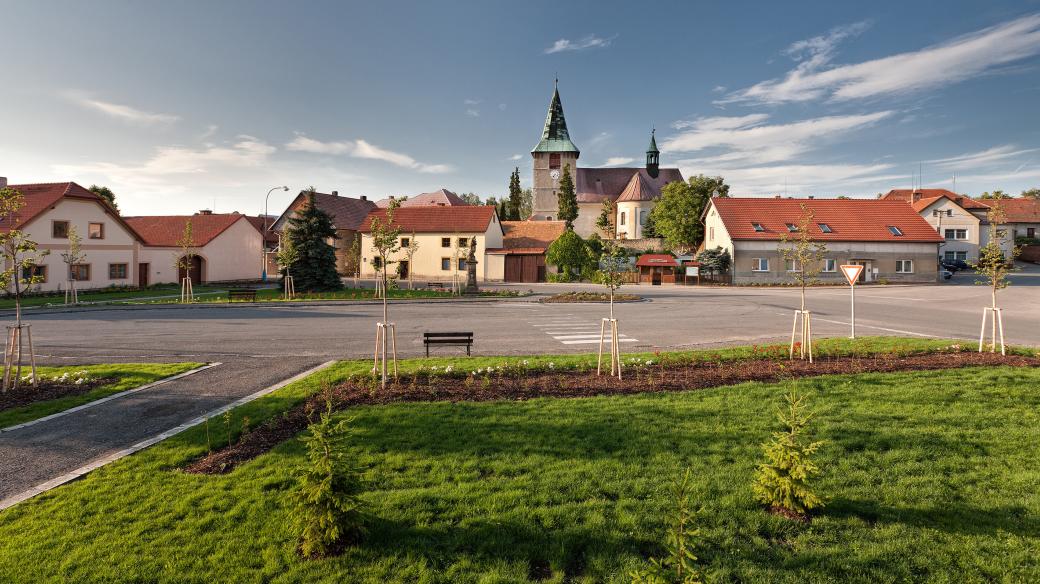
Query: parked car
948,266
946,274
960,264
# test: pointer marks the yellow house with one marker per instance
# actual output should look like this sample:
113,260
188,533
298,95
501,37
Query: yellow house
439,237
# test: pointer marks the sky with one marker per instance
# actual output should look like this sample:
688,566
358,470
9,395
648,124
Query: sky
181,106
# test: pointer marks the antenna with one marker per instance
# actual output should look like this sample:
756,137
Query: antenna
920,174
955,183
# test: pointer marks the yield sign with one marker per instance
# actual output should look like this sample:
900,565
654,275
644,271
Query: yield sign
851,273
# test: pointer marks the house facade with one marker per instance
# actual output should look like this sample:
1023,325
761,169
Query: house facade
347,213
522,255
888,238
52,211
441,238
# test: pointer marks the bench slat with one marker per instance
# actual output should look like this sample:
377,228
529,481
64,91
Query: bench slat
432,335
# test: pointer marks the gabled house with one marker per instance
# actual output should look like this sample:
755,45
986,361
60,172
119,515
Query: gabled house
443,235
888,238
347,215
522,255
438,198
110,246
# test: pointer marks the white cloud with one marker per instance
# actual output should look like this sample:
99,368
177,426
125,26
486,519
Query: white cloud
983,158
120,111
516,157
617,161
363,149
747,139
800,179
473,113
471,102
588,42
938,65
719,89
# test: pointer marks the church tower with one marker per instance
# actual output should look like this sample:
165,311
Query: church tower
551,155
653,157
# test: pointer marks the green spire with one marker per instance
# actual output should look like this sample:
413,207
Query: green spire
555,137
653,143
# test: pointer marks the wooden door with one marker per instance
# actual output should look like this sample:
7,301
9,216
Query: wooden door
195,273
514,268
142,275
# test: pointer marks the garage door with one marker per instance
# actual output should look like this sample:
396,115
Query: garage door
525,268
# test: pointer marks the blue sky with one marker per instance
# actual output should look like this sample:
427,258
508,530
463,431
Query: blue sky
179,106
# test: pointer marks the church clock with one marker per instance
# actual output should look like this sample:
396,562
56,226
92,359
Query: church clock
555,174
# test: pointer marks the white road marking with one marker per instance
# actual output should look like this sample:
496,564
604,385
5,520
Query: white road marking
596,340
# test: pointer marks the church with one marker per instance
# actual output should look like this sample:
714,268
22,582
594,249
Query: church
634,191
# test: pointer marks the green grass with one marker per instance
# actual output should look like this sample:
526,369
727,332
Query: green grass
124,376
930,475
275,295
104,295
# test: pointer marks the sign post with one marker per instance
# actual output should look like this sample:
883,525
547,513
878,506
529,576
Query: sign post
852,273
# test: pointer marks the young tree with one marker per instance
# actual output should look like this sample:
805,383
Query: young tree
782,483
74,255
19,257
613,263
287,256
526,204
605,219
680,566
353,258
567,198
803,253
186,260
516,196
716,261
677,215
994,265
386,242
106,194
310,231
571,254
409,253
327,508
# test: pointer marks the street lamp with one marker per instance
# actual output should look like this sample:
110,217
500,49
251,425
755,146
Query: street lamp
263,236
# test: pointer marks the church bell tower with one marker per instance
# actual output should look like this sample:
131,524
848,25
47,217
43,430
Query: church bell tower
554,152
653,157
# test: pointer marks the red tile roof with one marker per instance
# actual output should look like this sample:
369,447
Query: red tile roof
346,212
849,219
440,197
529,235
270,236
638,190
41,196
1021,210
914,195
593,185
167,230
656,259
459,219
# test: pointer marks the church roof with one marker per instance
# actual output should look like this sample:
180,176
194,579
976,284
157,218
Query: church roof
593,185
653,143
438,198
555,137
638,190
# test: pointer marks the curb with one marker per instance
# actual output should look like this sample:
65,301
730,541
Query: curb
96,464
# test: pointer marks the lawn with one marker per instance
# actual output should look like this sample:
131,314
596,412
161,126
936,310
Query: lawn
124,376
275,295
930,476
112,295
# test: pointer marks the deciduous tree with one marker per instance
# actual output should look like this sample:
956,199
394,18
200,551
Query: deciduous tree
802,252
106,194
571,254
677,215
19,257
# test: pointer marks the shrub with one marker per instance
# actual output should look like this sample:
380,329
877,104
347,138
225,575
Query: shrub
679,567
782,482
327,509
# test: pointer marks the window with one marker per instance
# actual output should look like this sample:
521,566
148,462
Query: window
824,227
643,215
80,272
463,242
445,242
60,229
956,234
95,230
711,234
622,218
117,271
1030,232
759,264
35,272
445,264
830,265
895,231
792,227
405,242
792,266
377,263
554,160
462,264
758,227
904,266
951,256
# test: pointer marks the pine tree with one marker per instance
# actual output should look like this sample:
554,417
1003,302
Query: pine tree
309,232
568,199
782,482
516,195
680,565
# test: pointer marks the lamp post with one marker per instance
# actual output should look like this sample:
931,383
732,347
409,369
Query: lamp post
263,235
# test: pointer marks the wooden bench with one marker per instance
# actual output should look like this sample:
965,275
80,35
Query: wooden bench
241,294
435,285
457,339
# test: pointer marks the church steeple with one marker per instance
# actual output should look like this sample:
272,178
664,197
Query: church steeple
555,137
653,156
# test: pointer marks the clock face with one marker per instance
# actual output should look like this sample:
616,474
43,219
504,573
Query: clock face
555,174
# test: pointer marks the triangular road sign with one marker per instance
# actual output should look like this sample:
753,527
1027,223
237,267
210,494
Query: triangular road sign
851,273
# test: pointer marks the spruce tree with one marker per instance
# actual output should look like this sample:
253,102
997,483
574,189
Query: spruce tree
516,196
309,233
568,199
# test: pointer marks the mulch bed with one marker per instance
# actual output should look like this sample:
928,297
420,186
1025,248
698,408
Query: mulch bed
655,378
26,394
568,297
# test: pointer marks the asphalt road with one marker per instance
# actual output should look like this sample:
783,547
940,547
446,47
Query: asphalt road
260,345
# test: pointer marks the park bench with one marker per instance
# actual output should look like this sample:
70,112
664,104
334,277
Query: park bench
241,294
457,339
435,285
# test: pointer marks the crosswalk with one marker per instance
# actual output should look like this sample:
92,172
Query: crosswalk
570,330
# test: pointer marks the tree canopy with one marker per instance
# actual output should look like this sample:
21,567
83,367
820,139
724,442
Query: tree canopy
568,199
309,233
106,194
571,254
516,195
995,195
1031,194
716,261
471,198
677,215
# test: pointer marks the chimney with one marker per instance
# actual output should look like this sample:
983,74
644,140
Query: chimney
205,212
335,193
3,181
811,197
364,197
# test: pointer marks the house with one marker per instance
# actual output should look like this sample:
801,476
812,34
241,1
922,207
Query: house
522,255
51,212
347,214
228,247
438,198
634,189
442,235
887,237
263,224
1022,215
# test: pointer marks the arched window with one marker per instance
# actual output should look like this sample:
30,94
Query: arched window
622,222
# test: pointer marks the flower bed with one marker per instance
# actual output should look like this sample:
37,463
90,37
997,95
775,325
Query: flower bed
516,381
589,297
50,387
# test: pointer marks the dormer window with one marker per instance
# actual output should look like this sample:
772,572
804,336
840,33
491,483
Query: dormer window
792,227
758,227
895,231
824,227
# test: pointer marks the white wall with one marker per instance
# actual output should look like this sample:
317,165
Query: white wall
426,262
235,254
